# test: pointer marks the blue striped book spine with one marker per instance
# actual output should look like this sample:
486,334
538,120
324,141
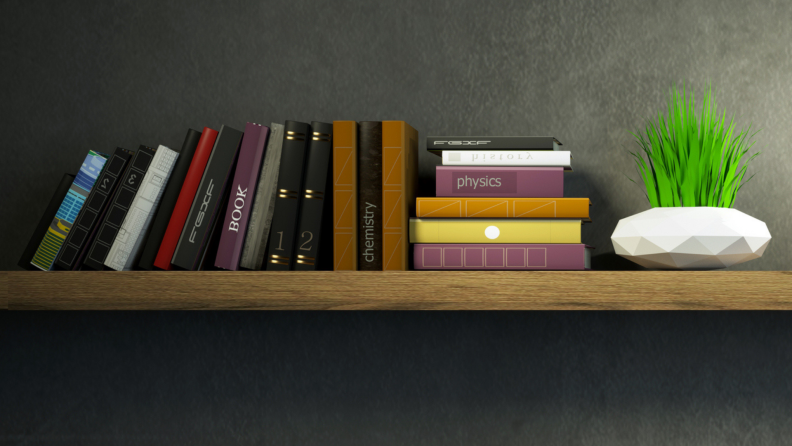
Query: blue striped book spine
68,210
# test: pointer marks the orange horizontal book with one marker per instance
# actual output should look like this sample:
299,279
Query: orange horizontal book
440,207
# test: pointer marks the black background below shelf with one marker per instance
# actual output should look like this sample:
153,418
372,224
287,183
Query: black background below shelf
83,75
395,378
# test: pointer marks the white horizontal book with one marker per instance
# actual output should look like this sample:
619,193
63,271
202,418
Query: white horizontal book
529,158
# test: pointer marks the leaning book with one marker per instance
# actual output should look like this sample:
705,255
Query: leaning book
69,209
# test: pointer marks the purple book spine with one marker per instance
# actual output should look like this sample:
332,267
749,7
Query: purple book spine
241,197
501,182
503,257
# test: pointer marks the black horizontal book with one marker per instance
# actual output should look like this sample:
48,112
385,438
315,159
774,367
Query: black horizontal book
95,204
44,222
118,209
436,144
168,201
314,249
205,208
280,252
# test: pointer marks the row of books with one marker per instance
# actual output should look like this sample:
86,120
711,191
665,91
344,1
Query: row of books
275,198
500,205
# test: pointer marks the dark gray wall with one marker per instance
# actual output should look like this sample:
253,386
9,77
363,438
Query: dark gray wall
81,76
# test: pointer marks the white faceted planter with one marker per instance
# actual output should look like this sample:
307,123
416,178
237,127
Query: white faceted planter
690,238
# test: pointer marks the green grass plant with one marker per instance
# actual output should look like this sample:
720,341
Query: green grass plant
687,161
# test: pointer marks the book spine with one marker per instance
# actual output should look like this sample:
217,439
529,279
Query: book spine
209,254
316,200
370,196
264,203
437,143
345,200
44,222
242,193
208,199
502,257
92,236
168,201
399,183
280,253
121,203
186,196
523,182
502,207
486,230
94,207
69,209
535,158
128,243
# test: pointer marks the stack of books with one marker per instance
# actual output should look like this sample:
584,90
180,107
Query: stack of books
284,197
500,205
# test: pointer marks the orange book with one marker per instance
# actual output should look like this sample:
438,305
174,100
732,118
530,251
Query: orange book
399,184
345,195
440,207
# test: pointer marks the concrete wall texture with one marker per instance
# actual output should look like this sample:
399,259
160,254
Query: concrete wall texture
96,75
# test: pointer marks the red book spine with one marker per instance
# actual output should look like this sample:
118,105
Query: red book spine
186,196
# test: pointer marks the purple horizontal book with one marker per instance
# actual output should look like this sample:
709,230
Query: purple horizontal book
501,182
240,200
503,257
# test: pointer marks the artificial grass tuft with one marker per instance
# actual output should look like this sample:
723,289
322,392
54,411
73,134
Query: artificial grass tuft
691,161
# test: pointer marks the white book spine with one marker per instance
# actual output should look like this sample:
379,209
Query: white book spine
129,241
530,158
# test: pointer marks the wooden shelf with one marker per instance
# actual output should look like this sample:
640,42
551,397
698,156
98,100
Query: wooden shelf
412,290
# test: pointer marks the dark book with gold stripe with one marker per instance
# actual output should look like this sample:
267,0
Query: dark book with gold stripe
280,254
314,245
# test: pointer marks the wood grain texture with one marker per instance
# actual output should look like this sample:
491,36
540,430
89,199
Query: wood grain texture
409,290
3,290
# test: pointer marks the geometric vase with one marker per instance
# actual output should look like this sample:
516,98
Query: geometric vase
690,238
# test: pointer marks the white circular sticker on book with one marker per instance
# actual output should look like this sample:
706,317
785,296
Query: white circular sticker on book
492,232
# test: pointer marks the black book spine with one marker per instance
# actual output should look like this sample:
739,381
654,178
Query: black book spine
77,265
280,252
316,198
44,223
204,210
94,207
440,143
370,196
207,260
168,201
108,230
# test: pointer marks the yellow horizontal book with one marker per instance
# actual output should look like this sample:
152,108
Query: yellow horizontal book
441,207
494,230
